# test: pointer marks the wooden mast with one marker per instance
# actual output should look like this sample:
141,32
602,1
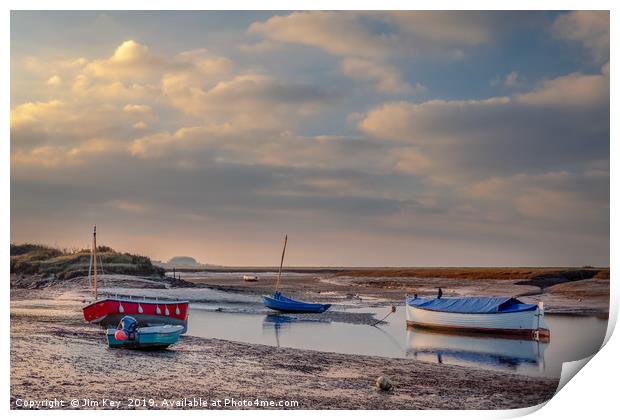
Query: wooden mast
94,255
281,262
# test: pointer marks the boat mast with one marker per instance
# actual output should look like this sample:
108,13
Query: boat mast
94,256
281,262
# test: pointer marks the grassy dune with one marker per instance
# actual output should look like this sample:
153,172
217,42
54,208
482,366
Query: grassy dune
34,259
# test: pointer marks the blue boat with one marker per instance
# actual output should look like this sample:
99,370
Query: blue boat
281,303
277,301
130,335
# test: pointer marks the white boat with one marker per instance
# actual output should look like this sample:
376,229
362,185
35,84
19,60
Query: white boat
490,315
248,277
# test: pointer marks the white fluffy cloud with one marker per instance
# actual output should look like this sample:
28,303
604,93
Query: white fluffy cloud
131,60
384,78
588,27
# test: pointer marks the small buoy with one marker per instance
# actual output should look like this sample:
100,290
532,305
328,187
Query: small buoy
120,335
120,308
384,383
140,310
167,312
177,311
157,310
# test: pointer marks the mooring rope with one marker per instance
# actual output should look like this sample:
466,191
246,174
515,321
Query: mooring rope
393,310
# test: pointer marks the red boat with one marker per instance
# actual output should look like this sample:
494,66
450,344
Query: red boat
108,311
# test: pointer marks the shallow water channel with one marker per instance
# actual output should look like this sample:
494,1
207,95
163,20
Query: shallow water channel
243,318
572,338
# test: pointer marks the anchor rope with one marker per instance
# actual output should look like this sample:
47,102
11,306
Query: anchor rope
393,310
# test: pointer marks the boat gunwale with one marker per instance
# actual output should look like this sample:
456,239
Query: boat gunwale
137,300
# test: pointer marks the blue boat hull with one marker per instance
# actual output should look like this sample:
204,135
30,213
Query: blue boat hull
281,303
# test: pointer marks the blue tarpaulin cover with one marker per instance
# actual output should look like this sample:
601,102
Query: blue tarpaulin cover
472,305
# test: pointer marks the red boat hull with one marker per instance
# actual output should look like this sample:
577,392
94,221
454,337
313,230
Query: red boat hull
109,311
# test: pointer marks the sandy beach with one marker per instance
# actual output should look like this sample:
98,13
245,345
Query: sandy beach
54,354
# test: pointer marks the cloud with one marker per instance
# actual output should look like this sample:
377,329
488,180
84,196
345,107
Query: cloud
589,28
384,78
140,125
410,122
54,80
115,95
46,156
252,100
374,35
65,155
131,60
35,112
531,196
512,79
369,40
576,90
194,147
190,139
140,112
138,109
119,91
195,69
448,27
561,124
337,33
67,122
260,141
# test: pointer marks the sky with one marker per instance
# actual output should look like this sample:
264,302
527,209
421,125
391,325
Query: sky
370,138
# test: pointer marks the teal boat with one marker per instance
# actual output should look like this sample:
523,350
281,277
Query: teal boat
130,335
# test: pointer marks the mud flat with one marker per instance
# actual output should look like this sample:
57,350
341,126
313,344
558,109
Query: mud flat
55,355
568,290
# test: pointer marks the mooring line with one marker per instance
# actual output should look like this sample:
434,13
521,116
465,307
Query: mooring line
385,317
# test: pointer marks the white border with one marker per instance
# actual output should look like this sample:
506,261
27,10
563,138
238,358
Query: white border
592,394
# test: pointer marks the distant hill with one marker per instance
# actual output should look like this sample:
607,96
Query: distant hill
34,259
188,262
182,262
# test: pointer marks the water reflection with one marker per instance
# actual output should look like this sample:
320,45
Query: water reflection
478,351
278,322
572,338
